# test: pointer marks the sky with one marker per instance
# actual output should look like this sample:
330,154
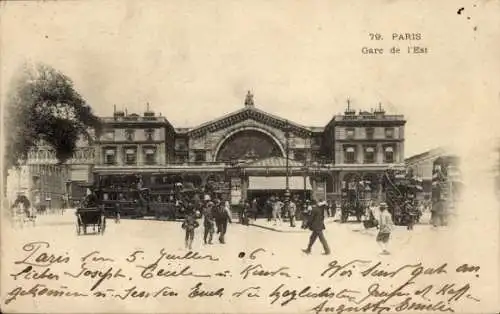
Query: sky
194,61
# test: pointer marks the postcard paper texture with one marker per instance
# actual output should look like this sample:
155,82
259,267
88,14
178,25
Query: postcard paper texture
250,156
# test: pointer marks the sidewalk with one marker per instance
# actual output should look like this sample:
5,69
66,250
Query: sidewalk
284,226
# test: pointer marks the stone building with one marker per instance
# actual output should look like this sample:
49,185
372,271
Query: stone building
250,153
422,166
49,183
245,154
362,146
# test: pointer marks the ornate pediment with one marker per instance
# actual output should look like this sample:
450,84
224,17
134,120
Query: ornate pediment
250,113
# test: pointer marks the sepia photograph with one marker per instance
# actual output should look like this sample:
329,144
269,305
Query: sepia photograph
250,156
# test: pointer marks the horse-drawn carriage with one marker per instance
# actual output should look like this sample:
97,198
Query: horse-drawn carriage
90,217
355,199
91,214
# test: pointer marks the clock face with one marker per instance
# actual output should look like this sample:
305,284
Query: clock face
248,145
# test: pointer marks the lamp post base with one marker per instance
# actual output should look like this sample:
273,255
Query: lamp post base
287,194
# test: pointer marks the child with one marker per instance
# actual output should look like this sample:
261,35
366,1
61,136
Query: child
117,216
209,223
190,224
385,225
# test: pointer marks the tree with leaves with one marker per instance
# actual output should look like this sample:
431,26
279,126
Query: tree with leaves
43,108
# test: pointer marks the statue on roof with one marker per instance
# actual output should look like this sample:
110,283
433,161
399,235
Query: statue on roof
249,100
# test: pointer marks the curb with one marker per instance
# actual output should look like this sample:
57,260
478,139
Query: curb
300,230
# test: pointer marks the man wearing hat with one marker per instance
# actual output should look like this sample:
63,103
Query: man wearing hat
209,222
385,225
316,224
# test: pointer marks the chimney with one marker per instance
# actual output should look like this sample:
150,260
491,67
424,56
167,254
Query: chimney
148,113
379,112
349,111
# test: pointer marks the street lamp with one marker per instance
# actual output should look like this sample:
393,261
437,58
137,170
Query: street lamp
287,152
305,167
305,172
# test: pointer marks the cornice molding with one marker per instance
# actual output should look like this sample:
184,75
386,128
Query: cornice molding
253,114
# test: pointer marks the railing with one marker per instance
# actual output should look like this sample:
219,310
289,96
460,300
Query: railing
371,117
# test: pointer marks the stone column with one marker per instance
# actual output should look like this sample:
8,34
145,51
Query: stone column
313,187
359,153
244,186
379,154
140,155
119,155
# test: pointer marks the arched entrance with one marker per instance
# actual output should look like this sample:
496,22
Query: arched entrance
250,143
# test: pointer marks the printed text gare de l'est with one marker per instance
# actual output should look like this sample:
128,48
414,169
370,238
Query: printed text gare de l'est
409,38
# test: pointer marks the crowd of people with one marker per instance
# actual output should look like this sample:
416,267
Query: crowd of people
276,209
216,216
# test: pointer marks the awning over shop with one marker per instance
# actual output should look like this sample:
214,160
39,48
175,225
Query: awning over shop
278,183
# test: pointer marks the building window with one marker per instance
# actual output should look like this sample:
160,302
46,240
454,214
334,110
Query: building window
180,145
350,155
150,156
316,156
349,133
300,154
389,132
316,141
369,133
130,156
149,134
129,135
181,158
389,154
109,156
200,156
369,155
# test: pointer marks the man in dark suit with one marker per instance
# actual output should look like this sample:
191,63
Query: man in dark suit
316,224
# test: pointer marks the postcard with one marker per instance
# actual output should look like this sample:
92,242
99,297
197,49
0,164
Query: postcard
250,156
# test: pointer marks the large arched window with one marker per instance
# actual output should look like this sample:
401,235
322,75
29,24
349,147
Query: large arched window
248,144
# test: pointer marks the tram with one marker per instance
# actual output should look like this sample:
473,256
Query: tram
402,191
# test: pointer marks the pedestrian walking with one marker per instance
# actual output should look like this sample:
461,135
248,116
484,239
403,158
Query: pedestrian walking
189,225
277,211
208,223
268,207
254,209
117,212
306,214
223,217
292,211
245,210
385,226
316,223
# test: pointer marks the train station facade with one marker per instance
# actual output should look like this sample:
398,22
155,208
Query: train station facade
246,154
